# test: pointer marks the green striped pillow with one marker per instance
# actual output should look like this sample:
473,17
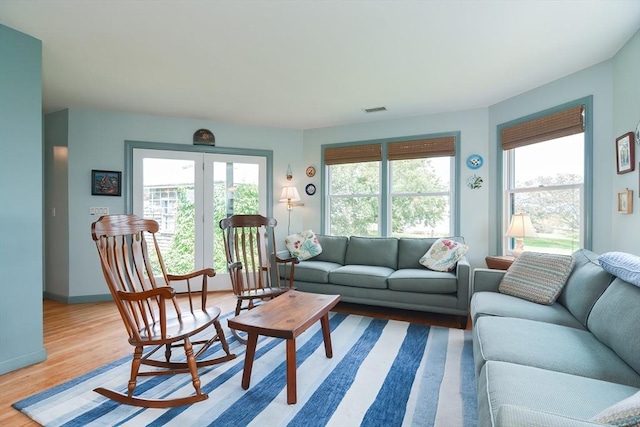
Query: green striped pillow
537,277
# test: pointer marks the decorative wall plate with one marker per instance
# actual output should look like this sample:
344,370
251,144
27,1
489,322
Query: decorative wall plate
474,182
311,171
310,189
475,161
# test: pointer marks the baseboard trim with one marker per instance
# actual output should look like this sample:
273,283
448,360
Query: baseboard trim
79,299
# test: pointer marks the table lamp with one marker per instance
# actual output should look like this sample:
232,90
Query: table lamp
519,228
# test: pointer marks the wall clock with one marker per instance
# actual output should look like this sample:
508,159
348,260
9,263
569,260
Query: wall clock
310,189
311,171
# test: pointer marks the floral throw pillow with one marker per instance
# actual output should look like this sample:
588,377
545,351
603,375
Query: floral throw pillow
303,245
443,255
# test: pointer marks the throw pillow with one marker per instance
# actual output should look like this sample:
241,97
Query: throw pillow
537,277
443,255
625,413
625,266
303,245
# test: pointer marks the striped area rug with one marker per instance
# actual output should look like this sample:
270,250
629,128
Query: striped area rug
383,373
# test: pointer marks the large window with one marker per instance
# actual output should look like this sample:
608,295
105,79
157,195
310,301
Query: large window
391,188
544,178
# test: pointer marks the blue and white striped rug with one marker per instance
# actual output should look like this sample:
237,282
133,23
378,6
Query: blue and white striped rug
383,373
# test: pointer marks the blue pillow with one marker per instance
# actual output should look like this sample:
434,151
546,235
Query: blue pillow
623,265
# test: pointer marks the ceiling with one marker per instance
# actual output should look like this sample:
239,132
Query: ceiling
310,64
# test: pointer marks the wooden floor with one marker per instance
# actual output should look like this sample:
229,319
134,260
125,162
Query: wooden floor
67,338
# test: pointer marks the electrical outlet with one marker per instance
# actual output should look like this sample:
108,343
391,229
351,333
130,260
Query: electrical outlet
98,211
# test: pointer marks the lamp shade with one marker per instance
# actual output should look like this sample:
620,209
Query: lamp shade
289,194
520,226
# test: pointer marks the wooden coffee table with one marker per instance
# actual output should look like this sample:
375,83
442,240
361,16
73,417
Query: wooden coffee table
286,316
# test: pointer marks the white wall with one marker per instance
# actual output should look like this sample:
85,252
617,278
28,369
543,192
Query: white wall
625,229
21,193
96,141
473,139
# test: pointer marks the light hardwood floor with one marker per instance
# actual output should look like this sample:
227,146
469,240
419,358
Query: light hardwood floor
81,337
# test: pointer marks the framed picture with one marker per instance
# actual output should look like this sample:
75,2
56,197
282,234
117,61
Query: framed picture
625,201
625,153
106,183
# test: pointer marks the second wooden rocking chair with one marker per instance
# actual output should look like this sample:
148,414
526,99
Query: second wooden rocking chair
253,263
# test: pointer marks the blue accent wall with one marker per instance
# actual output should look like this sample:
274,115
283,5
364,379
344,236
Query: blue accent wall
21,193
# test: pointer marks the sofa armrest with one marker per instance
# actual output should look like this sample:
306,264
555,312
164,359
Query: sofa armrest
518,416
463,270
486,280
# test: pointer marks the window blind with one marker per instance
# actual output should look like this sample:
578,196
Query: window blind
353,154
563,123
420,148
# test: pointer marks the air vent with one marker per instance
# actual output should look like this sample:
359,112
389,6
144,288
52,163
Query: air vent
375,109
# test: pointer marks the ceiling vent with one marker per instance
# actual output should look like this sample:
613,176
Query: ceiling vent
375,109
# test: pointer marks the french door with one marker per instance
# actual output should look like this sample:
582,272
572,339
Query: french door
188,193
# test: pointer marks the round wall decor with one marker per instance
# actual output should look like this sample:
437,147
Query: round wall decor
475,161
311,171
310,189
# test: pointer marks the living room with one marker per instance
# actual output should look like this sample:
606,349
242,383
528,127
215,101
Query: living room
51,252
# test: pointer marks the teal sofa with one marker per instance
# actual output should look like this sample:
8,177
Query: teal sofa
560,364
385,272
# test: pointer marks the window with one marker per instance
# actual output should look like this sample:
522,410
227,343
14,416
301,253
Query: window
544,177
392,188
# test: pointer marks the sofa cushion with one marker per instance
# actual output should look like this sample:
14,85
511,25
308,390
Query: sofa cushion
423,281
362,276
548,346
312,271
374,251
411,249
537,277
585,285
615,320
303,245
502,383
334,248
496,304
625,266
519,416
443,255
625,413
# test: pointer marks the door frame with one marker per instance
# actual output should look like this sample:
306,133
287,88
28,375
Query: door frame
127,191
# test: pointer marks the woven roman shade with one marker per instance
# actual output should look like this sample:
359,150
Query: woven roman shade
353,154
563,123
420,148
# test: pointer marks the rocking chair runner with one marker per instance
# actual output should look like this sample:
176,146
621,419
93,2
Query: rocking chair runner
151,312
250,246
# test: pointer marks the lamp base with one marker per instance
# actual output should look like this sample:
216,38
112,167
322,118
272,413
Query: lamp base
517,251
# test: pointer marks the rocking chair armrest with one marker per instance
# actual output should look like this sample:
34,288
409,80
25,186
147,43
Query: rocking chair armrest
165,292
294,260
205,271
233,266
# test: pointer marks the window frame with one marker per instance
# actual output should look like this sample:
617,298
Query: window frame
502,175
385,184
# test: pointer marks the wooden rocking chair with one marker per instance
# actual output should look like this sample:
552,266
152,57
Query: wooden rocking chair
252,260
151,312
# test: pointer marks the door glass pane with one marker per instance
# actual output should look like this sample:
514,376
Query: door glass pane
168,198
235,192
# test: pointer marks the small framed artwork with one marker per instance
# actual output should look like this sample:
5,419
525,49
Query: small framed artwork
625,153
106,183
625,201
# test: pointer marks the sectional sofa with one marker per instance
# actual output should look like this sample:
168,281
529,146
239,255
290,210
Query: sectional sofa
575,362
385,272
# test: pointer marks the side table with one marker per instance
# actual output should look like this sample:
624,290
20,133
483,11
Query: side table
499,262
